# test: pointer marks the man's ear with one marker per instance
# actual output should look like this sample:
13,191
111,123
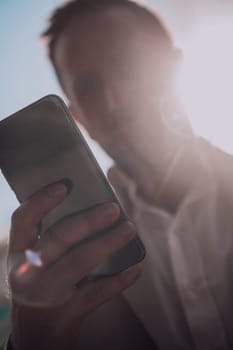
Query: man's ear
74,115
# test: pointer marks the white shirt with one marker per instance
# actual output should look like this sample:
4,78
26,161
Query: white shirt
185,295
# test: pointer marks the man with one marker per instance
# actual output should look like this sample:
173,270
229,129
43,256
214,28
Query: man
116,63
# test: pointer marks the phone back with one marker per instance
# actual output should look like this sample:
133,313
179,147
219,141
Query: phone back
40,145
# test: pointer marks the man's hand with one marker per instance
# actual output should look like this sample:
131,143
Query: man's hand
47,308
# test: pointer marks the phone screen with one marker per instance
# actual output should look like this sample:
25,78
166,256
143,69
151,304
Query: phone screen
40,145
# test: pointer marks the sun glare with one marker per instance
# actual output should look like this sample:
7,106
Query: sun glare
206,82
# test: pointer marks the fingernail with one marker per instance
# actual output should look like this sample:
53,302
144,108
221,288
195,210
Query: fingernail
132,274
68,183
111,209
57,190
128,230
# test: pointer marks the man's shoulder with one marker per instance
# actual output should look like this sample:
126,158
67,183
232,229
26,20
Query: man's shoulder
220,161
220,173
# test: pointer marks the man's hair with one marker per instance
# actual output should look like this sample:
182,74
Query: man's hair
63,15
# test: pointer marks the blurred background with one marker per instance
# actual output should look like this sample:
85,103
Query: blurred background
202,29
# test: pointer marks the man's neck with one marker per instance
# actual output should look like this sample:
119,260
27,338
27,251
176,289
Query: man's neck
164,178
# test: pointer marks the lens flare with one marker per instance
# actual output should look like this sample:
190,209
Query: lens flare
32,259
206,81
23,268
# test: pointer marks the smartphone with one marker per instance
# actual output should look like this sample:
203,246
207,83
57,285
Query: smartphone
40,145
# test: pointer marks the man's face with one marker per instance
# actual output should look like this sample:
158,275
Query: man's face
113,75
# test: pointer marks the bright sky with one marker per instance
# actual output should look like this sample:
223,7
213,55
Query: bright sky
207,84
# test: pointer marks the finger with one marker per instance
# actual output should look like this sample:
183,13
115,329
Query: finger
64,235
27,217
28,289
61,237
76,264
88,298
